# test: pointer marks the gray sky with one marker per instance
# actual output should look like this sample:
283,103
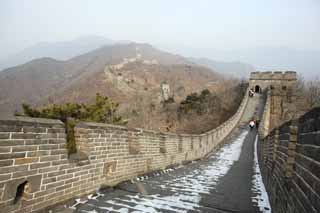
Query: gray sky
216,24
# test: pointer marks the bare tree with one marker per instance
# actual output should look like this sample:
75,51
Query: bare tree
313,93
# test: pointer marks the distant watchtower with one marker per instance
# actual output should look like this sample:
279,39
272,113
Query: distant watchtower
165,91
281,87
260,81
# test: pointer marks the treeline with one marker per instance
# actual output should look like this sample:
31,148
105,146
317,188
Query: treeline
200,112
197,113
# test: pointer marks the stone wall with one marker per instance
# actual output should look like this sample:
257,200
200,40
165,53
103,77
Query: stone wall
265,120
281,95
36,172
290,163
277,79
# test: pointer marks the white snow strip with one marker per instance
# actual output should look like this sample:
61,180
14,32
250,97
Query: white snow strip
78,201
261,198
93,211
187,190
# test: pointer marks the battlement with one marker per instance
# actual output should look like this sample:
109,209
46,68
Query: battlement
276,75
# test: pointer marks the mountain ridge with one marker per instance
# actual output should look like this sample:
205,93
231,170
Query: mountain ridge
42,80
63,50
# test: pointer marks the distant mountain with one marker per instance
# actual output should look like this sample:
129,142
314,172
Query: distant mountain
57,50
120,71
231,69
305,62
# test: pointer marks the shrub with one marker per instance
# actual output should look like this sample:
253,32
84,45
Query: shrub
103,110
196,103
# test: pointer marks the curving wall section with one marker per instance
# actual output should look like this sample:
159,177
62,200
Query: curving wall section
36,172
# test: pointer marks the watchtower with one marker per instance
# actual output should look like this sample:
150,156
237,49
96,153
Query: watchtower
260,81
281,87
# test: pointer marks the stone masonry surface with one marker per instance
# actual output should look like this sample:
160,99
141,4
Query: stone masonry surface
290,162
34,159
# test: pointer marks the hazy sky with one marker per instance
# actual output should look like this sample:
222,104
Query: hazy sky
218,24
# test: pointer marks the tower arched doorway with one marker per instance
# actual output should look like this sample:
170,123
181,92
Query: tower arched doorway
257,89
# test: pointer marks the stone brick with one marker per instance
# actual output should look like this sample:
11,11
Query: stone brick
19,161
24,136
30,129
11,169
5,149
56,130
62,135
69,166
310,151
49,158
56,141
48,147
53,174
60,162
4,128
12,155
54,185
291,152
49,135
64,177
309,138
72,180
6,163
24,173
80,173
24,148
293,138
49,169
4,135
39,165
35,142
49,180
5,177
63,187
11,142
37,153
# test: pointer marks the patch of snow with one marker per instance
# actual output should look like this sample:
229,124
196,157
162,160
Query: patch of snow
186,190
78,201
92,211
261,198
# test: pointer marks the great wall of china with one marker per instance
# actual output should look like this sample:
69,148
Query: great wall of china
34,159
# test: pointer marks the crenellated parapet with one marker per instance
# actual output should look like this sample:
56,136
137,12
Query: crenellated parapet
276,75
260,81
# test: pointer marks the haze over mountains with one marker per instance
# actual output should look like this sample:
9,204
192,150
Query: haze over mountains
75,70
305,62
63,50
229,69
267,58
238,62
68,49
119,71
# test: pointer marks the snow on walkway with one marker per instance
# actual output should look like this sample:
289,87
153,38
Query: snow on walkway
261,199
186,190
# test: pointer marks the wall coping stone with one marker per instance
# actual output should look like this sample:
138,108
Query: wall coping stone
168,134
21,120
124,128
